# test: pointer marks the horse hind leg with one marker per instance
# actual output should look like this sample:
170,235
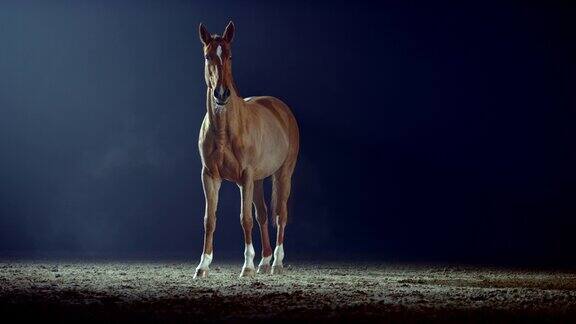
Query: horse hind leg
281,184
262,219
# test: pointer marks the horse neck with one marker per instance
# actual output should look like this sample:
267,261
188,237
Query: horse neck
228,118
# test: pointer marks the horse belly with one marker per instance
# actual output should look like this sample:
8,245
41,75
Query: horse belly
273,152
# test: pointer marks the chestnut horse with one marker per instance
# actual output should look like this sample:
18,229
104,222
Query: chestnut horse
244,140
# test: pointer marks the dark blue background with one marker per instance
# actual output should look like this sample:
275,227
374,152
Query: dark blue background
429,132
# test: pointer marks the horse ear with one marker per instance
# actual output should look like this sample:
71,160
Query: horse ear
205,36
229,32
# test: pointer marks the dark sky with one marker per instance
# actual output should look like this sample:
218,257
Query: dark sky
429,132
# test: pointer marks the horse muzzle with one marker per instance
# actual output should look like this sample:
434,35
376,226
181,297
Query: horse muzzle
221,95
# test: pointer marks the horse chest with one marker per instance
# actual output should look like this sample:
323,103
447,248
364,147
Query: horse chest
222,161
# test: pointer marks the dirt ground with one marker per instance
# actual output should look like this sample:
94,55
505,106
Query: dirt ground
144,291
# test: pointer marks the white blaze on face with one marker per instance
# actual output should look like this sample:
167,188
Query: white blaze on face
249,256
219,53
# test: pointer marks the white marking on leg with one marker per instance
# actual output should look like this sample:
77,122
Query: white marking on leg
219,53
205,261
278,255
249,256
265,261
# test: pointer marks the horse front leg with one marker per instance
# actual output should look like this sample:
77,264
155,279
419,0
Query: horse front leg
246,194
211,186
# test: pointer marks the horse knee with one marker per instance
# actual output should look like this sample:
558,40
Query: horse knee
281,216
246,220
262,217
262,220
280,221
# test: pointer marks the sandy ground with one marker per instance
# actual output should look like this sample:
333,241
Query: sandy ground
142,291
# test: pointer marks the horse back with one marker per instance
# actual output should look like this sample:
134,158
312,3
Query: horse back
281,114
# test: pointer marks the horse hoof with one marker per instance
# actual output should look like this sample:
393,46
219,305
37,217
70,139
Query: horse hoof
247,272
263,269
201,273
277,269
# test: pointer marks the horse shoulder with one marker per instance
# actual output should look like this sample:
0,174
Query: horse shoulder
206,142
204,135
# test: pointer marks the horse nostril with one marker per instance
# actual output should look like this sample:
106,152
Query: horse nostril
221,93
